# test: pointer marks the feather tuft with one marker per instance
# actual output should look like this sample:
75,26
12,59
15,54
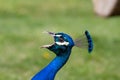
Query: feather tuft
85,41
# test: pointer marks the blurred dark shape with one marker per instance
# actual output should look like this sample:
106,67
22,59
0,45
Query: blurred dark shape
106,8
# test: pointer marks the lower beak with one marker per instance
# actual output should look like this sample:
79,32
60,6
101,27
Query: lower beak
46,46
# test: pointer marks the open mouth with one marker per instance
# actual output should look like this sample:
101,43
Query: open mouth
49,45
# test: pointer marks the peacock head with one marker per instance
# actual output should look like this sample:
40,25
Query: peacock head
62,43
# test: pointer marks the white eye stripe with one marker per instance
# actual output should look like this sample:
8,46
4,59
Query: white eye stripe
62,43
58,35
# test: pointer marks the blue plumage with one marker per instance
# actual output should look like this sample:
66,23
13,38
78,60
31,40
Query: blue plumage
62,48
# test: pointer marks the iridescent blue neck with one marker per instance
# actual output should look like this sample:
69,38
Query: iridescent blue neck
49,72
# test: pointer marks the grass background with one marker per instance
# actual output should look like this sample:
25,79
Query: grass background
22,23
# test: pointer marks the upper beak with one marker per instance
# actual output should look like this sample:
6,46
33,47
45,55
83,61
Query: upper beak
51,33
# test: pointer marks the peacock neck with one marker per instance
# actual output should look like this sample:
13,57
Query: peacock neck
58,62
49,72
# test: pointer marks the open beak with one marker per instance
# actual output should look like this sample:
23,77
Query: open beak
47,46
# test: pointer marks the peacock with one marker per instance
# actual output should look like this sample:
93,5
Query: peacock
62,47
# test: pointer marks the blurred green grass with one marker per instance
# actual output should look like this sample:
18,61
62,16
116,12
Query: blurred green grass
21,26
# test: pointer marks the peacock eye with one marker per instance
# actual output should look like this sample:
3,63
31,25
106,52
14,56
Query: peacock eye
61,39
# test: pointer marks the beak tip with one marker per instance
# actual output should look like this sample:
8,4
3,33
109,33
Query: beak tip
51,33
45,46
48,32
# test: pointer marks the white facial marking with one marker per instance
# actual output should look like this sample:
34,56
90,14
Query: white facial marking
62,43
58,35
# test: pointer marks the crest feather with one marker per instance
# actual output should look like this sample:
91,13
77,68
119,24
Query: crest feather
85,41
